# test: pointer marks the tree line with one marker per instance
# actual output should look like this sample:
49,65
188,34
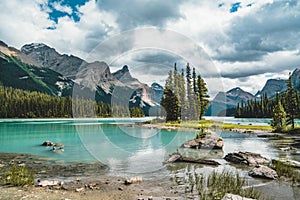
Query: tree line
185,95
283,109
17,103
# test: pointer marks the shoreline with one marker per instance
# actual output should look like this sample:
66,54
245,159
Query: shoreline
92,185
100,185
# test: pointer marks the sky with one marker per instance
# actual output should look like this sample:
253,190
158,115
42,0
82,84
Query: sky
232,43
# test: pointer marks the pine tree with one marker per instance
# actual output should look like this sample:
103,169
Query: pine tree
182,95
291,102
190,97
279,118
202,95
170,103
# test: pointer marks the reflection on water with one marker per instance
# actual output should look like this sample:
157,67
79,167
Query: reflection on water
126,148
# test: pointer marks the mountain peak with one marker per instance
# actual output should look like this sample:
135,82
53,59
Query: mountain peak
156,86
3,44
125,68
123,74
27,48
272,87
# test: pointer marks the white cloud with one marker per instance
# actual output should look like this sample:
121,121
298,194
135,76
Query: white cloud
253,42
64,9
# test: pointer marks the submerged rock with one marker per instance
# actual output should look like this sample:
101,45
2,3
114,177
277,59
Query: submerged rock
235,197
263,171
48,143
205,141
246,158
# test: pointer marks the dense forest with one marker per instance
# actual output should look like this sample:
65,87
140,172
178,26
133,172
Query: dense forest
17,103
185,95
284,105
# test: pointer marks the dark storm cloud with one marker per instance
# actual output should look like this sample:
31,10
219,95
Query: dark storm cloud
275,27
133,13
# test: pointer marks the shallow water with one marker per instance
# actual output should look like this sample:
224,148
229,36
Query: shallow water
126,148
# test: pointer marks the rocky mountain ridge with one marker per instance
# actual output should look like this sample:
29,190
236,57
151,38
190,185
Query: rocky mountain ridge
95,77
230,99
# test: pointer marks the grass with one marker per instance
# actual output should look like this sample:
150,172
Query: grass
205,124
286,170
18,176
216,185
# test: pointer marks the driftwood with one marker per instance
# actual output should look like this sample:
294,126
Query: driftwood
177,157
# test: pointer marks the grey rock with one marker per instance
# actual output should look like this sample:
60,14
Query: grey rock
263,171
209,141
246,158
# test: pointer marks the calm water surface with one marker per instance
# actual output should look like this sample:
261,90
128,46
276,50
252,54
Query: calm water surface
116,142
127,148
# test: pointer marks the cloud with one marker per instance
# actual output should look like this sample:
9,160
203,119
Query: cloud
261,37
133,13
261,32
64,9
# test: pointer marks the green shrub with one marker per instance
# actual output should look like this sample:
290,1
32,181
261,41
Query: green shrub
216,185
18,176
286,170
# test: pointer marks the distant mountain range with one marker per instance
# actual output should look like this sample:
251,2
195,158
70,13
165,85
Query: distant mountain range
227,100
38,67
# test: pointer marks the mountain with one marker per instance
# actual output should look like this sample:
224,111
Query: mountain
158,91
118,87
233,96
296,79
228,100
48,57
20,71
272,87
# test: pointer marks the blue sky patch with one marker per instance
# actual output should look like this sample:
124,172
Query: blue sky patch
55,14
235,7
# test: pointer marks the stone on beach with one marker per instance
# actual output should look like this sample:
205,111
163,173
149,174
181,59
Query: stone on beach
133,180
263,171
235,197
50,183
246,158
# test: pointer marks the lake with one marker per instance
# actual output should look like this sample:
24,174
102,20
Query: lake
120,144
244,121
128,149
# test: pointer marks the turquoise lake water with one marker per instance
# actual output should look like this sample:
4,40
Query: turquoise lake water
118,143
129,149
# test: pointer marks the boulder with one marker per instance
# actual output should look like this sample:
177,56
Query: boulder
207,141
246,158
48,143
235,197
263,171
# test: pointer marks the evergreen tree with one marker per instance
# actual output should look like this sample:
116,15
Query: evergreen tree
279,119
182,96
291,102
190,97
170,103
203,97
